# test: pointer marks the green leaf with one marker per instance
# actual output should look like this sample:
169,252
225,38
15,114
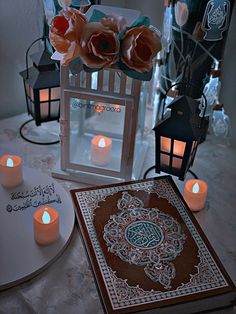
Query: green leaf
76,65
140,21
97,16
145,76
89,70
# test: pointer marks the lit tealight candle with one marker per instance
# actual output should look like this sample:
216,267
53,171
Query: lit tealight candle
10,170
195,193
101,147
46,225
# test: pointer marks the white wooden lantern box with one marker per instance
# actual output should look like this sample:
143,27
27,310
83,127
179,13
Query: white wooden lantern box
105,103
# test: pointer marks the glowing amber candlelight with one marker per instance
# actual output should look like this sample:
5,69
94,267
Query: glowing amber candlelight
195,193
178,152
101,147
10,171
46,225
44,94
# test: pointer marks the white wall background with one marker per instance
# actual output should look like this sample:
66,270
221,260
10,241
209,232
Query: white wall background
152,8
21,23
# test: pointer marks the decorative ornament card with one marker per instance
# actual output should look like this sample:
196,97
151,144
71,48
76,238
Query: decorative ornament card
147,251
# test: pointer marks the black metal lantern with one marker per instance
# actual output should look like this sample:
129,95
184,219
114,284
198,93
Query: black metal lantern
177,136
42,86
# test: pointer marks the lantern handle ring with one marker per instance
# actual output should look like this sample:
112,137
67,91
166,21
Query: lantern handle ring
44,38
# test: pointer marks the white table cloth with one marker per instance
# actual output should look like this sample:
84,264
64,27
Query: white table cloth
68,285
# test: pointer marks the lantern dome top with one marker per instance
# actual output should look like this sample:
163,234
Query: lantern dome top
42,61
40,80
183,121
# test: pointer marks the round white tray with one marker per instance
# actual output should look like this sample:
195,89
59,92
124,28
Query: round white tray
21,257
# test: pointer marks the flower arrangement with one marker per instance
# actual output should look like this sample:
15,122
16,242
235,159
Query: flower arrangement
104,41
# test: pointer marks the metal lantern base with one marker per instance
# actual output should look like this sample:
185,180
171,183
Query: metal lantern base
96,179
31,140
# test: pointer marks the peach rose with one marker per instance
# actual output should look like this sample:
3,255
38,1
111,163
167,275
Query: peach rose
116,23
99,46
139,46
66,28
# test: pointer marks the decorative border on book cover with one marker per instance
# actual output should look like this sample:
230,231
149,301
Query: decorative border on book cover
208,275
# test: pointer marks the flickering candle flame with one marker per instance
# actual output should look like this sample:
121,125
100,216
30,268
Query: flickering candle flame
102,142
10,162
46,217
195,188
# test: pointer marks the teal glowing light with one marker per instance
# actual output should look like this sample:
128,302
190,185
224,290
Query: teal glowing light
196,188
10,162
46,217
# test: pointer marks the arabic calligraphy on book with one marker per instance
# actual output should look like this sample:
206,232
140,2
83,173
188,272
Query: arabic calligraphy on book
39,195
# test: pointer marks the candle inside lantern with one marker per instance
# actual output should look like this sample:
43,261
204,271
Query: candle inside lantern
10,171
101,147
46,225
195,193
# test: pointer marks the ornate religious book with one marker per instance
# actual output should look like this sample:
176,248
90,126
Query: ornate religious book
147,251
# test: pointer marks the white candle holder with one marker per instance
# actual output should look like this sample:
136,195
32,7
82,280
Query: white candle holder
105,104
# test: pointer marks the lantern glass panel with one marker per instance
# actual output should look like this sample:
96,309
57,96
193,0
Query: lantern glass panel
176,163
165,144
117,83
128,88
165,160
27,89
31,108
179,148
44,110
31,93
106,75
90,122
44,94
194,145
94,83
55,105
55,93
